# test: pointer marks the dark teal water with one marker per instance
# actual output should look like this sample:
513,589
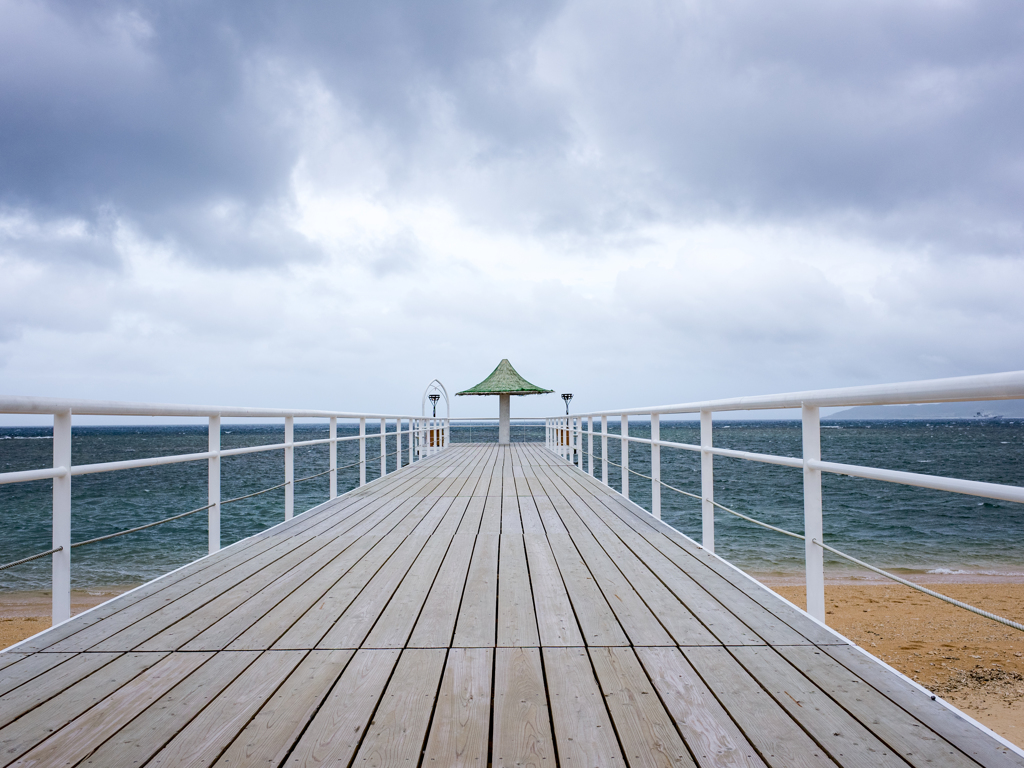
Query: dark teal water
908,529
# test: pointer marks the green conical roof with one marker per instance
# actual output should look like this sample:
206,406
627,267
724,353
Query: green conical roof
505,380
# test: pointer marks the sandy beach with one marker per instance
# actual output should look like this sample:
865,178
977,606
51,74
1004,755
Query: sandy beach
972,662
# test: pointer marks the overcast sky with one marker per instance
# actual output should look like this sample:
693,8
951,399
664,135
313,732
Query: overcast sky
329,204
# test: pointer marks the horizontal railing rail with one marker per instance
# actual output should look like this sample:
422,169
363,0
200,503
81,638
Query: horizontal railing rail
424,437
989,386
566,435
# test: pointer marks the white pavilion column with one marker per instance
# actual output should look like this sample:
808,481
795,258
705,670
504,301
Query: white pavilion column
504,409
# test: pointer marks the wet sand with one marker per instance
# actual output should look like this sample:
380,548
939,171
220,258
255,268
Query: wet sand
972,662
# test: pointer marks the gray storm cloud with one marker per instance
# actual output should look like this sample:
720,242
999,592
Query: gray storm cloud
800,193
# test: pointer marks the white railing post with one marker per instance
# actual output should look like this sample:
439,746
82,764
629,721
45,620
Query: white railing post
813,554
604,450
61,605
412,433
362,450
383,447
590,445
213,487
333,474
398,443
707,484
577,442
655,465
447,432
580,441
289,467
624,429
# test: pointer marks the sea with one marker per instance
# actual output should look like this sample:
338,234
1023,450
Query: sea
915,532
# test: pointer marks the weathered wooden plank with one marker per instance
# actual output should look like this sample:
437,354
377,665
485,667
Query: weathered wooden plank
146,734
517,621
311,627
476,624
41,721
637,619
583,730
597,621
337,730
490,523
556,621
396,734
396,621
9,657
462,716
71,635
779,740
727,628
955,729
89,730
27,667
32,693
361,615
126,628
436,622
461,473
522,721
848,742
726,625
706,727
194,622
511,524
201,571
646,731
331,557
270,735
732,589
203,739
690,557
905,735
684,627
268,629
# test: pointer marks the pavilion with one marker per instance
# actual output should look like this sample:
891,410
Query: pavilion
504,382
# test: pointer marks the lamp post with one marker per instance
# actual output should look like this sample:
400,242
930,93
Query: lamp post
567,396
433,399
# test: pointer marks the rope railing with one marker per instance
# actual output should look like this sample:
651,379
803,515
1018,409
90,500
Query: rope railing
30,558
833,550
190,512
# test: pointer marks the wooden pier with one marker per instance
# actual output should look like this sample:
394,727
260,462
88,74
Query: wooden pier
488,606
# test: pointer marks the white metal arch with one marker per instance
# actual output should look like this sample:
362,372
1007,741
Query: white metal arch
435,386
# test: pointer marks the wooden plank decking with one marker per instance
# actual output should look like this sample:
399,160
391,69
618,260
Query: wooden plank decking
487,606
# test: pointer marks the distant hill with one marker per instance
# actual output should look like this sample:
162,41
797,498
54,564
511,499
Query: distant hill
985,409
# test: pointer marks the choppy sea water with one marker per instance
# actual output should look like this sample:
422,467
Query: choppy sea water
909,530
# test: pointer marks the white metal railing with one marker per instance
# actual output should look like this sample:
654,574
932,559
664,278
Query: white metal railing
565,436
531,429
426,436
